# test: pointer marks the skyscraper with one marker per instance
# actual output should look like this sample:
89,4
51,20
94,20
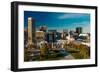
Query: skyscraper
31,31
79,30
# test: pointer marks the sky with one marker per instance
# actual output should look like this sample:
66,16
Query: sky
58,20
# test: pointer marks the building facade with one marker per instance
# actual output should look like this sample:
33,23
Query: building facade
31,31
79,30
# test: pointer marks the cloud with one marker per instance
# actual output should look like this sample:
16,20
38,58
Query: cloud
72,15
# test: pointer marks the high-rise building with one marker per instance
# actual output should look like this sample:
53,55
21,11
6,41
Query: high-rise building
51,35
64,33
31,31
43,28
79,30
58,36
25,37
40,36
73,34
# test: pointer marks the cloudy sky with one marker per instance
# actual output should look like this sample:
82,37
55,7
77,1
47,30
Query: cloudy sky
58,20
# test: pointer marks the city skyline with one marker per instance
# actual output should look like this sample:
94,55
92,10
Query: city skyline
59,21
42,43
